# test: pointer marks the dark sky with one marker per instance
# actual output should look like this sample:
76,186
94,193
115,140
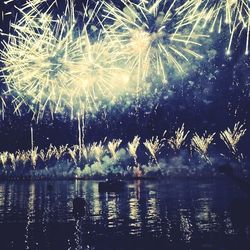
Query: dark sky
213,97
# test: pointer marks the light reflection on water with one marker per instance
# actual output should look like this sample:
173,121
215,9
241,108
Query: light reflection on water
176,211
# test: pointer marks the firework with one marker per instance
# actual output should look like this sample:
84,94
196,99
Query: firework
97,150
232,137
72,153
201,143
95,154
51,63
13,161
42,155
4,158
84,152
132,148
177,141
96,74
34,60
23,157
220,14
61,151
150,37
154,146
34,156
113,146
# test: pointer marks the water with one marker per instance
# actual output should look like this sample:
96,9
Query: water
170,214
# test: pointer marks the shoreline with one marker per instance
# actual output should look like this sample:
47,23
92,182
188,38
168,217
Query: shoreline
31,179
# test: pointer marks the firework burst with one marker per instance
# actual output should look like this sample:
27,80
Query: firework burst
35,58
151,36
49,62
96,74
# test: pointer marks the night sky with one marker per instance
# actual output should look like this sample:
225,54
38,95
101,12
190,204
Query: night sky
212,96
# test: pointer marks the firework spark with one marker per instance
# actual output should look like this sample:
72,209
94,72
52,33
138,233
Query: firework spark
5,11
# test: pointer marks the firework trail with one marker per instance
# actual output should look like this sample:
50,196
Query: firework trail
151,37
219,15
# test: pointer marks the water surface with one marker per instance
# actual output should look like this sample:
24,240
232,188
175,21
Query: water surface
170,214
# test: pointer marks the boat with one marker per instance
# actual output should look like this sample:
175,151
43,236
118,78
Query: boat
111,186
